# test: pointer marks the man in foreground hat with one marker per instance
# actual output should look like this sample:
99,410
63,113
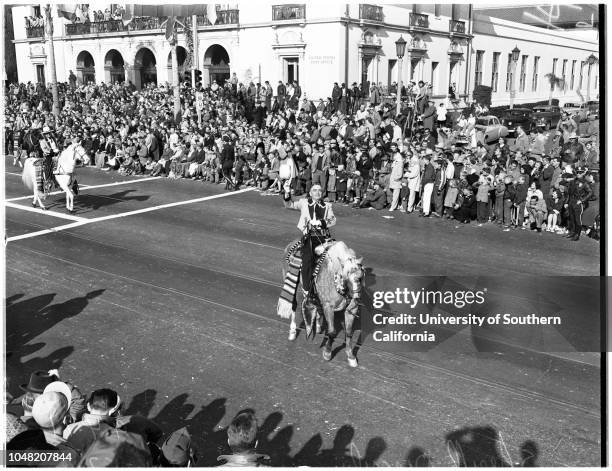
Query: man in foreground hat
50,412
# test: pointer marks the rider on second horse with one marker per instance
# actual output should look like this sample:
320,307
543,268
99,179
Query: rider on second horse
315,220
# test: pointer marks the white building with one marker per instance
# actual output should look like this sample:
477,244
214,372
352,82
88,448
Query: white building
561,52
315,43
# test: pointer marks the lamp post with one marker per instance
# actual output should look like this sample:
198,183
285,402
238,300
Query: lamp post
515,57
400,49
590,60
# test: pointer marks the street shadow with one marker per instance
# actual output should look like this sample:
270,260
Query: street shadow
142,403
374,450
26,319
417,457
93,201
309,454
209,439
276,446
529,454
475,447
340,454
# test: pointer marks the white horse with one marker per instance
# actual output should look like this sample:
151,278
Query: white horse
64,174
338,285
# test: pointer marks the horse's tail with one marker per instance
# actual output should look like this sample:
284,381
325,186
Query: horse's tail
29,175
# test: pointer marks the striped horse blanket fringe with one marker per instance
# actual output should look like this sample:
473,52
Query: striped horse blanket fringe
38,175
286,305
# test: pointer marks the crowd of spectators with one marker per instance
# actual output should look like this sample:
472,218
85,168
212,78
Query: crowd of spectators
428,159
93,431
34,22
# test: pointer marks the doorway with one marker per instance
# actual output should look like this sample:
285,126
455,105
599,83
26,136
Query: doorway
365,73
292,69
40,74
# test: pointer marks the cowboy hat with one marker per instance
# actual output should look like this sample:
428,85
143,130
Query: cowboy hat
39,380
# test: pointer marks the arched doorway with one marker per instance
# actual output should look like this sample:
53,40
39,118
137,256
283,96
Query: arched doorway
145,68
215,65
85,68
114,70
181,54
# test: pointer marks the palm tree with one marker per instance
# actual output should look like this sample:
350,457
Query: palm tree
554,81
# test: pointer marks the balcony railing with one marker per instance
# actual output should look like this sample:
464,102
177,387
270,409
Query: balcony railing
224,17
228,17
288,12
370,12
143,23
417,44
35,32
455,26
419,20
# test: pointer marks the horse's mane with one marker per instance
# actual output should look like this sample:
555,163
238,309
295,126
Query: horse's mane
341,257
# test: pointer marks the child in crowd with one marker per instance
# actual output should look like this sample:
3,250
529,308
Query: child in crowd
554,205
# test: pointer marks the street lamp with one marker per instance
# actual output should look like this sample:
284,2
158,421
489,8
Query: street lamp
400,49
590,60
515,57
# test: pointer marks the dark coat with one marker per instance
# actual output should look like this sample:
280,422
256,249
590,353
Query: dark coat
429,116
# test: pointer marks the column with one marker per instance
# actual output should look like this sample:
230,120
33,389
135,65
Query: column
101,74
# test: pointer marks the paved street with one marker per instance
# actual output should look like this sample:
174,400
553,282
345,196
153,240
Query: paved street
174,308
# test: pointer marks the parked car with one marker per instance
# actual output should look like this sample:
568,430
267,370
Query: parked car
578,111
593,107
512,118
546,115
489,129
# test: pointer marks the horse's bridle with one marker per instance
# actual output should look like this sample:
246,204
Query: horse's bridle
81,154
76,155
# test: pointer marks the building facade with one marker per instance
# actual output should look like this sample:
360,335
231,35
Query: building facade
543,53
316,44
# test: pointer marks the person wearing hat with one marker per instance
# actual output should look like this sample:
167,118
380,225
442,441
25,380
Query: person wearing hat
427,184
572,150
39,380
566,126
579,194
176,451
396,177
316,218
590,157
50,411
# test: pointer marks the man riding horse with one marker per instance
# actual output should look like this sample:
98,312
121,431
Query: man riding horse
315,220
332,275
42,144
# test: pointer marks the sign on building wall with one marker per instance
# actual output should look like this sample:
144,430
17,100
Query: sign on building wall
321,60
